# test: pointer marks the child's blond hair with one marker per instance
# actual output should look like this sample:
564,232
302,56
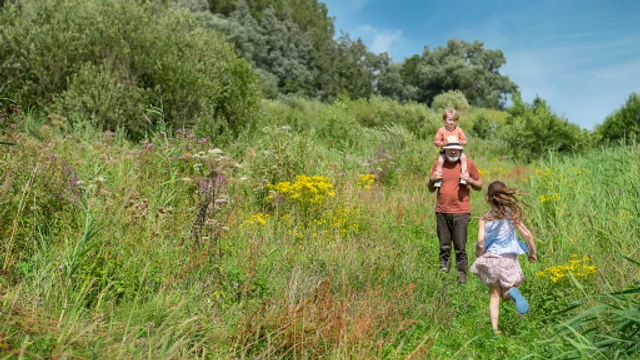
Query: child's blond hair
450,113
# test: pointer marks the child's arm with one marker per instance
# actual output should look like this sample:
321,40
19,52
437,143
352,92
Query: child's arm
461,137
439,139
527,235
480,244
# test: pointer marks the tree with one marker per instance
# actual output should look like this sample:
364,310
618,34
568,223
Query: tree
286,54
624,123
358,67
533,130
463,66
95,58
224,7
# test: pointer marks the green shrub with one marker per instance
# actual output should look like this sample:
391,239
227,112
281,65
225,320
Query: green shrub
482,127
450,99
623,123
336,127
417,118
96,95
161,57
533,130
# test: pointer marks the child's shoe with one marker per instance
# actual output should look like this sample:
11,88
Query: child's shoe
437,184
521,303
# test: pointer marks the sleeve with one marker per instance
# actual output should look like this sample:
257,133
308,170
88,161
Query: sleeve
472,170
433,168
439,139
463,139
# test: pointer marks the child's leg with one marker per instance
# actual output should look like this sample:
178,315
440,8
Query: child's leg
463,163
438,171
463,169
439,164
505,293
494,306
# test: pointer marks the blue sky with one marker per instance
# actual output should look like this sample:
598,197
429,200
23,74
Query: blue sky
583,57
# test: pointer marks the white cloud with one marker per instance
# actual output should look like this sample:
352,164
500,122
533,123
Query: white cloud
582,75
380,40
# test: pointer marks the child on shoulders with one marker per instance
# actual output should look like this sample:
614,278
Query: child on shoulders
450,128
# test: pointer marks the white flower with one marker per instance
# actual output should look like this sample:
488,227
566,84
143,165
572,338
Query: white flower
244,178
215,151
101,179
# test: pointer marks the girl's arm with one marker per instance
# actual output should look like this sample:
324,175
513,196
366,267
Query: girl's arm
527,235
480,244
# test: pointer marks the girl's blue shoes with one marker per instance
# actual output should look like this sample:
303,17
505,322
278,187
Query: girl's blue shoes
521,303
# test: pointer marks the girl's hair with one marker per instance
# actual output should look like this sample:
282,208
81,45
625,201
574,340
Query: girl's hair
504,200
450,113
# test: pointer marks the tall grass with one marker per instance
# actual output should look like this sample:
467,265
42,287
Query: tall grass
179,248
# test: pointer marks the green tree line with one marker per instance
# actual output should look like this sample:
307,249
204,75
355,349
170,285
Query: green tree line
206,64
292,45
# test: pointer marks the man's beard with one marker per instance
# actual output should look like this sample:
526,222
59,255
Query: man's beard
453,158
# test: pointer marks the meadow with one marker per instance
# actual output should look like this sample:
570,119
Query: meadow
227,180
309,236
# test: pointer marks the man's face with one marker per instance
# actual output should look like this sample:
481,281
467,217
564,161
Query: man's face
452,155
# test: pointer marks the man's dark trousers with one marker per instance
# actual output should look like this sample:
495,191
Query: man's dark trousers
453,228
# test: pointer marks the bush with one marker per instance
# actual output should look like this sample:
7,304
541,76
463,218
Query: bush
417,118
533,130
337,127
482,128
484,123
96,95
623,123
161,57
450,99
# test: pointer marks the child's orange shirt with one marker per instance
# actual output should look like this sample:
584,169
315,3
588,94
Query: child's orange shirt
443,133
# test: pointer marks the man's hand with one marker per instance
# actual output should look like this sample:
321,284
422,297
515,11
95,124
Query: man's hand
436,175
475,184
533,257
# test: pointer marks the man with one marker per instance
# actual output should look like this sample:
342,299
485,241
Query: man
453,207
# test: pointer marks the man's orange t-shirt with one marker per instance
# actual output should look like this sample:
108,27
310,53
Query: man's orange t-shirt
452,197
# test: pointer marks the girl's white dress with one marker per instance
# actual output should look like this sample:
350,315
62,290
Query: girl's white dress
498,266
